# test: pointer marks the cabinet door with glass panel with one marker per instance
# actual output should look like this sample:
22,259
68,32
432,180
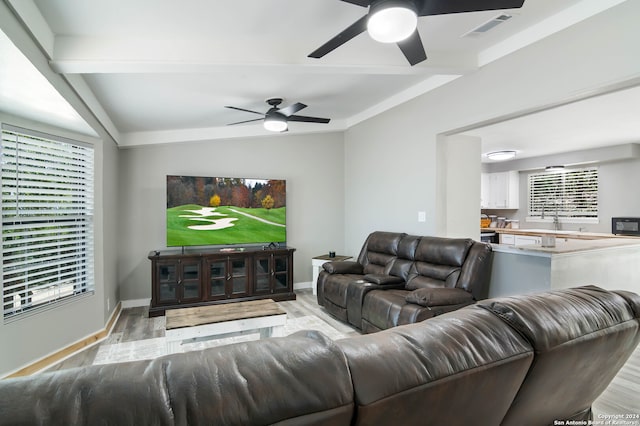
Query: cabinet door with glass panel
227,277
272,273
178,281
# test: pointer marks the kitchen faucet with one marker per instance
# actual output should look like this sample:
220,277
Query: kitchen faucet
556,221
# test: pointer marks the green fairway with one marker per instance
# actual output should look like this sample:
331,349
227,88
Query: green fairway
224,225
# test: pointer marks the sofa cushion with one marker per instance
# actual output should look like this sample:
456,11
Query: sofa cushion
378,263
379,252
387,308
440,296
438,262
429,275
443,251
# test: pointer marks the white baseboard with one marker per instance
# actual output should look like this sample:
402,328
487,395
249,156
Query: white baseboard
302,285
135,303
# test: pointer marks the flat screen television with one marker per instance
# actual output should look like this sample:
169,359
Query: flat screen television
205,211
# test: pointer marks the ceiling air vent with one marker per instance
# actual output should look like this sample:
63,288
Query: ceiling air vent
483,28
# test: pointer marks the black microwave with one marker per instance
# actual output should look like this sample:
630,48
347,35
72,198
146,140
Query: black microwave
625,226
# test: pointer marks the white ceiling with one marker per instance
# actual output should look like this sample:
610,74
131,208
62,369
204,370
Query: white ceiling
163,70
605,120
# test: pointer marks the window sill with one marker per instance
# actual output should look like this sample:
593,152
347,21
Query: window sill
586,220
36,310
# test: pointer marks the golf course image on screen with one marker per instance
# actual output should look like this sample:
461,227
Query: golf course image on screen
225,211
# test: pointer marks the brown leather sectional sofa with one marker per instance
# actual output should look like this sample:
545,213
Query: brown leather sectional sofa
402,279
527,360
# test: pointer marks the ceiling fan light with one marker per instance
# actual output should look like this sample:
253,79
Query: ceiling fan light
392,24
501,155
275,124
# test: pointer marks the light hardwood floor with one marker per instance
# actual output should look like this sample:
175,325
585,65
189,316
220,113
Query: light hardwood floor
621,397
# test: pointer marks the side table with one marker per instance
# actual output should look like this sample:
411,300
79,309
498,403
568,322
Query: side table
316,264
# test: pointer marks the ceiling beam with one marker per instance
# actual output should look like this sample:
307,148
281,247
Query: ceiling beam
91,55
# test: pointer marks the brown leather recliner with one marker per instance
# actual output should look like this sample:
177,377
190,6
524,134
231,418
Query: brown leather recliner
402,279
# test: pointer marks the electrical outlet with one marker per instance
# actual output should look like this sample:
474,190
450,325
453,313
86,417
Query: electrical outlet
422,216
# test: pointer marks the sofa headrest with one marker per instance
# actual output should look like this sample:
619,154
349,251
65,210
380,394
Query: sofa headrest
407,246
443,251
550,319
581,336
302,377
384,242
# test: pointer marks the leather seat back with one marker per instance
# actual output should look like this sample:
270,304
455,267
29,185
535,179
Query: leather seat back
379,251
581,337
300,379
456,369
438,262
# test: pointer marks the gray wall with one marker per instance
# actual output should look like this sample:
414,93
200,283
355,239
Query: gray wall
312,165
390,159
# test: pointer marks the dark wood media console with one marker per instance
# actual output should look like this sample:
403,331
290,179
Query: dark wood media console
188,278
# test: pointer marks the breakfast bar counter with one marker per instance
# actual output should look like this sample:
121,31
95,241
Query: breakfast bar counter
611,263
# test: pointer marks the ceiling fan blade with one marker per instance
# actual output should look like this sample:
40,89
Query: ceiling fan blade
413,49
441,7
350,32
245,121
245,110
292,109
363,3
302,118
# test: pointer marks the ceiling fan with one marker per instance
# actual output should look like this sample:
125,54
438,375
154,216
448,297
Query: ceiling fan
276,118
395,21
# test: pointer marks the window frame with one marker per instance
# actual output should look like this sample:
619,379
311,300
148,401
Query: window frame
48,186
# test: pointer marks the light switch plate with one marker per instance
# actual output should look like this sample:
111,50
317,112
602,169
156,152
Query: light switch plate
422,216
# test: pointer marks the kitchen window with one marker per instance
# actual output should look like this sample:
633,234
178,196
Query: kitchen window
47,220
571,195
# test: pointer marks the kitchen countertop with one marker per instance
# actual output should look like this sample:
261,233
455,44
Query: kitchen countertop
574,235
568,245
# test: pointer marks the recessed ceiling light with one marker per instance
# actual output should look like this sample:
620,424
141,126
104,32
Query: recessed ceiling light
501,155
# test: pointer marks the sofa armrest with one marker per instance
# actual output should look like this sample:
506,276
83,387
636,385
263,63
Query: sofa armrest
438,296
382,279
344,267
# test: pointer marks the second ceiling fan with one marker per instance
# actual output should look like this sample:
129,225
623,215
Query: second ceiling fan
276,118
395,21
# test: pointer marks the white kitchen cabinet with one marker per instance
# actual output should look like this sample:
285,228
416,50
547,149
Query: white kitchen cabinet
484,190
519,240
500,190
525,240
509,239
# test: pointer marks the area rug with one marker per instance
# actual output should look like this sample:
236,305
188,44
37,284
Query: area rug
155,347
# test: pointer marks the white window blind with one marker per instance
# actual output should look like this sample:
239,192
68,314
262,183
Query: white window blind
47,220
570,194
